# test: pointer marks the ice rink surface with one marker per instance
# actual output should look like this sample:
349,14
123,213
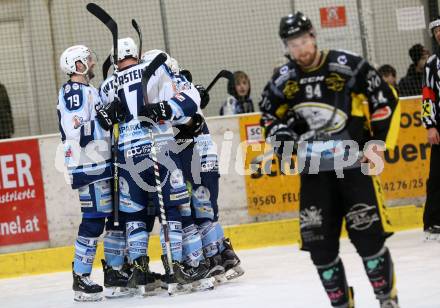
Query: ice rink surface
275,277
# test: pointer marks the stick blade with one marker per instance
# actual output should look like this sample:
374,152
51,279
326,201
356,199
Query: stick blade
135,25
103,16
226,74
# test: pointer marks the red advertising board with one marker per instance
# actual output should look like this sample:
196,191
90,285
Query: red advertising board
22,206
332,17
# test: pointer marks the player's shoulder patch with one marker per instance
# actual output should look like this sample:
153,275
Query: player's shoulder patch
344,57
284,73
284,69
344,62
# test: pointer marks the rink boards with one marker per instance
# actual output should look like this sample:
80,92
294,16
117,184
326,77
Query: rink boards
246,236
39,213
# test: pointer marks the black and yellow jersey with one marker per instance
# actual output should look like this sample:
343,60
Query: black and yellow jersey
367,108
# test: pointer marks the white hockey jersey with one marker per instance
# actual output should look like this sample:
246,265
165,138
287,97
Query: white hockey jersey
87,147
182,96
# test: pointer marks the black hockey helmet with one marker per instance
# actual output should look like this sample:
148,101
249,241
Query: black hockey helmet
294,25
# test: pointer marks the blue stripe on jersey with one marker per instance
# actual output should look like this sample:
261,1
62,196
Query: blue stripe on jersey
92,167
63,134
84,138
168,71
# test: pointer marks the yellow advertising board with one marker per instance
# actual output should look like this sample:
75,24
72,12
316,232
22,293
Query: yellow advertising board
407,167
270,191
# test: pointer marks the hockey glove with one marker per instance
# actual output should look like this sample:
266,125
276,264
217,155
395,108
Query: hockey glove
296,122
284,142
189,131
110,114
279,135
204,96
157,112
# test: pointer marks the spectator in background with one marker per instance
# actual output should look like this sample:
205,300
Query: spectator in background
411,84
6,120
239,101
388,73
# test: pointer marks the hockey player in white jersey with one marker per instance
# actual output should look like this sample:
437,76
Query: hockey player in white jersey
87,158
200,167
137,182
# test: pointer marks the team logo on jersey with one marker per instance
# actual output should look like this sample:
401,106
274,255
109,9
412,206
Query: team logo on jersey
310,217
67,88
342,59
361,216
176,179
202,194
335,82
75,86
318,114
381,114
77,122
290,89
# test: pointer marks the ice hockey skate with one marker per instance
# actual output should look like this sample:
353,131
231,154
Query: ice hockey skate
216,269
187,279
432,234
141,281
85,290
115,282
231,262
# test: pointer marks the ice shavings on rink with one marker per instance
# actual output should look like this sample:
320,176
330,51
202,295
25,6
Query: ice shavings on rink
276,277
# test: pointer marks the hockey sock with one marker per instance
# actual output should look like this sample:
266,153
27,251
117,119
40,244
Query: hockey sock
220,236
208,232
192,246
380,272
175,235
335,284
114,248
137,239
85,251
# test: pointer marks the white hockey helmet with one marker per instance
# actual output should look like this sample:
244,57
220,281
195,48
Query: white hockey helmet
172,63
71,55
126,48
434,24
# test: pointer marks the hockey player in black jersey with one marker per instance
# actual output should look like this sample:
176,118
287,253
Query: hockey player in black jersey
322,103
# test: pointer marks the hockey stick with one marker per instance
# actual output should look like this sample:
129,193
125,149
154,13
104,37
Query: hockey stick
106,66
139,33
222,74
108,62
105,18
146,75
